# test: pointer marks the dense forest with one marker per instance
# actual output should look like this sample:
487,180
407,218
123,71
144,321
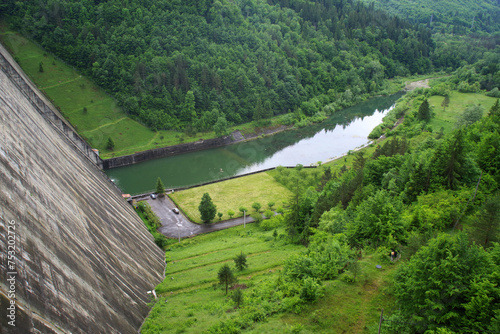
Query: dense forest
447,16
182,64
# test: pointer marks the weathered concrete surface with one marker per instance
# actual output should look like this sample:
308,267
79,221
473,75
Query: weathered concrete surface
83,260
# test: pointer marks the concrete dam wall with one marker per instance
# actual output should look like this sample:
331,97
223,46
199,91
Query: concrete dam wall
74,256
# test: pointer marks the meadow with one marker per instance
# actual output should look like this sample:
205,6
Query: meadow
233,194
190,301
447,117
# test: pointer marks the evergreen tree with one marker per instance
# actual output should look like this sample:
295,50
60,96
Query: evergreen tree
237,297
240,261
207,208
160,188
486,228
446,102
40,67
111,144
424,111
226,276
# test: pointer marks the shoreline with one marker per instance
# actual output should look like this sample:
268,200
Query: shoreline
200,145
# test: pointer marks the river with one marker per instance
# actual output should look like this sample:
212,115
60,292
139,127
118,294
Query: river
344,131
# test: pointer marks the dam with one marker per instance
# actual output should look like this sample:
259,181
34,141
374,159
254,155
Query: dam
75,257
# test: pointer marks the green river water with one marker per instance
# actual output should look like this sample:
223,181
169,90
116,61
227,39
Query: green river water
344,131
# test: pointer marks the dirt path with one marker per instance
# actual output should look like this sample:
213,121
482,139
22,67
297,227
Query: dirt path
417,84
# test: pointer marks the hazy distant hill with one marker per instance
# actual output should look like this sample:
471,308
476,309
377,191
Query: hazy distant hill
450,16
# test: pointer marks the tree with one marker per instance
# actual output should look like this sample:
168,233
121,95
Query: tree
270,205
449,283
237,297
111,144
256,206
226,276
240,261
207,208
424,111
446,102
220,214
221,126
486,228
160,188
40,67
470,116
242,209
230,213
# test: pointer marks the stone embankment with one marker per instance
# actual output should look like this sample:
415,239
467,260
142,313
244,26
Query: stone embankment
199,145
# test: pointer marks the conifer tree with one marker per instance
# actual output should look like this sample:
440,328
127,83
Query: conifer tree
207,208
424,111
160,188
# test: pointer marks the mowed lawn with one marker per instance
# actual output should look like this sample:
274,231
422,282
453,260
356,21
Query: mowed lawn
233,194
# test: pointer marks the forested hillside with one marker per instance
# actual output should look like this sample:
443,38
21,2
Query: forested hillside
183,64
447,16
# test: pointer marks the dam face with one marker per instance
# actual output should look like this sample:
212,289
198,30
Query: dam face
74,256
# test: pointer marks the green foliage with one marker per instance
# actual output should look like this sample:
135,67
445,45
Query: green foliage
230,213
449,283
152,222
207,208
160,188
170,63
378,221
240,261
237,297
470,116
486,225
111,144
40,67
424,111
226,276
325,258
256,206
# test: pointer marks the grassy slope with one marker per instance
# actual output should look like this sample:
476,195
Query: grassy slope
189,304
71,93
447,118
345,308
232,194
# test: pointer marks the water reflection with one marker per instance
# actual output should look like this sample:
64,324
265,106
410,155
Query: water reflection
344,131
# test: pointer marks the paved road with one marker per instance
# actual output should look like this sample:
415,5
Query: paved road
163,206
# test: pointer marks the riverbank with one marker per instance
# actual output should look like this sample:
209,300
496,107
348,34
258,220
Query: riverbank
235,137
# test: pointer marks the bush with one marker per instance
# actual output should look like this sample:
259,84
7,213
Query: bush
269,214
272,223
494,92
376,133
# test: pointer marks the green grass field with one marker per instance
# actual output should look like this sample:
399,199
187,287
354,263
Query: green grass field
232,194
188,302
447,117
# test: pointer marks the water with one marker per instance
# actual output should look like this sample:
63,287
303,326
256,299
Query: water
342,132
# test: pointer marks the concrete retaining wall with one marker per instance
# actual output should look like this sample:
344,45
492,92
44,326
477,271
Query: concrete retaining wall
80,258
44,107
166,151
